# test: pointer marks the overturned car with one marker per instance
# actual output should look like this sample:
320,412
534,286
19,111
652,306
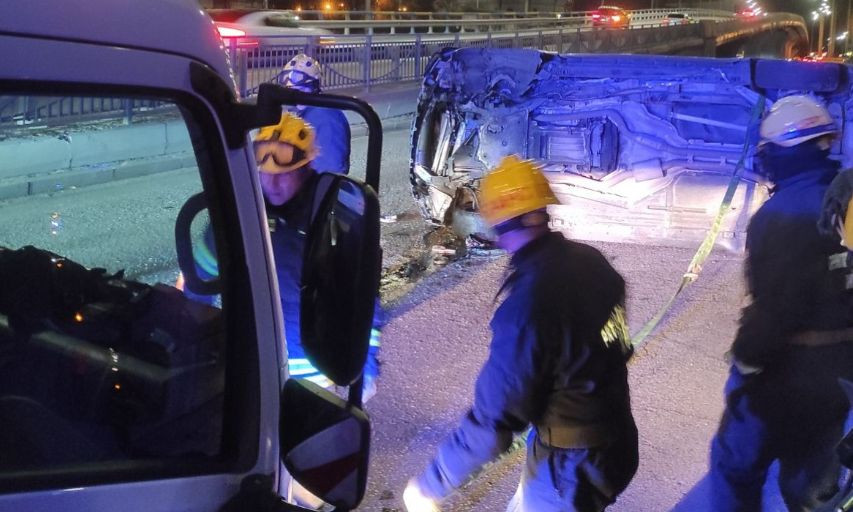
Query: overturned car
636,147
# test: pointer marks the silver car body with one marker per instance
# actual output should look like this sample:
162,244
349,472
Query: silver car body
636,147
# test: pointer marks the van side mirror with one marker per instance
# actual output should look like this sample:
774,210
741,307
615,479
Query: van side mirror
340,277
325,443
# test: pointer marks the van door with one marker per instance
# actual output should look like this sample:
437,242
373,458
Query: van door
118,391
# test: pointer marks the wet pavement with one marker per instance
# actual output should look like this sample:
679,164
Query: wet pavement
438,337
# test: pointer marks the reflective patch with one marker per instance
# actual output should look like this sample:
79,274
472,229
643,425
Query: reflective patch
206,259
301,367
321,380
615,331
849,282
271,224
375,337
837,261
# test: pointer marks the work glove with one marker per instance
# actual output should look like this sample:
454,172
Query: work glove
745,369
835,201
415,500
741,367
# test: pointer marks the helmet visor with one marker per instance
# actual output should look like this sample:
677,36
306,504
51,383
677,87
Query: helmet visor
295,79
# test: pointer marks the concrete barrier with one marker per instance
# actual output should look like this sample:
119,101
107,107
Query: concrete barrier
56,160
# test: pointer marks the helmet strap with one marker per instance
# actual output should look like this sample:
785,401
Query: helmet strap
525,221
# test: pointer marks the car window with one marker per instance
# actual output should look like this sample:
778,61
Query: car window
281,20
103,359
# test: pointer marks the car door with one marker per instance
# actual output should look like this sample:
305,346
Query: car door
118,391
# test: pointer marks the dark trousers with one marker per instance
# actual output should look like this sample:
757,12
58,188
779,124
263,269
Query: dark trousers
575,480
793,412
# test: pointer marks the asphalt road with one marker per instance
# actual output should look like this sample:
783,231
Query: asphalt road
438,338
438,333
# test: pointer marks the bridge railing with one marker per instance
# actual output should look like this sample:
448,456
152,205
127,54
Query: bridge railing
411,23
368,60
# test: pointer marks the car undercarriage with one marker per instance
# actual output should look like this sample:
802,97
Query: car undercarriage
635,147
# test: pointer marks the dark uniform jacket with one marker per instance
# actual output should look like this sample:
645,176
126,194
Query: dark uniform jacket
557,361
788,271
289,224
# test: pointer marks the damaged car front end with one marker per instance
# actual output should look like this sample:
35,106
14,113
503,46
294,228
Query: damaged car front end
636,147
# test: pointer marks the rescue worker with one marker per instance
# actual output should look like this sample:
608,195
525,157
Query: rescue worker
288,180
330,125
783,401
557,362
284,153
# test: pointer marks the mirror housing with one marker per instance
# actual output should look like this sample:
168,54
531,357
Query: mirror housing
340,278
324,443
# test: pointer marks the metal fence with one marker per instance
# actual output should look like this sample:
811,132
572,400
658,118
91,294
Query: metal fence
399,23
25,111
368,60
376,56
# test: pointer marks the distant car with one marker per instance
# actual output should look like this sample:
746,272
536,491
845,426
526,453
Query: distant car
611,16
822,58
746,13
677,18
253,27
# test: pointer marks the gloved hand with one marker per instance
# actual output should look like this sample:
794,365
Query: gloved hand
742,368
369,389
745,369
416,501
835,202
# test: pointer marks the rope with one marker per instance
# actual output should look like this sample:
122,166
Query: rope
695,267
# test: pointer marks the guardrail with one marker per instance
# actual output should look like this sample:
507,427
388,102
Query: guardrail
24,111
480,23
371,59
310,16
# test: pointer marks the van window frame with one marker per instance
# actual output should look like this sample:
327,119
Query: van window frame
241,412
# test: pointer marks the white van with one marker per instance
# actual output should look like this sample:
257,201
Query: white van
120,137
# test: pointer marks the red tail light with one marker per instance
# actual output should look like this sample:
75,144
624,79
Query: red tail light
230,32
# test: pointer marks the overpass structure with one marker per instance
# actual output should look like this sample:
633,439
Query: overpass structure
395,50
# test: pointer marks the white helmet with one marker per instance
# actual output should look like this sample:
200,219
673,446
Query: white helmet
796,119
301,72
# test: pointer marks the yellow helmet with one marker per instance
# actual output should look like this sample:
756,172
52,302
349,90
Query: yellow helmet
286,146
513,188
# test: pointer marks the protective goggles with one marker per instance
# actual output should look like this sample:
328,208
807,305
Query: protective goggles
274,157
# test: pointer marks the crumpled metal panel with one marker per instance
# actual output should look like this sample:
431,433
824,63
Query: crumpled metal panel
636,147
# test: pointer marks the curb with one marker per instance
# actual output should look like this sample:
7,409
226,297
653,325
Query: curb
57,181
